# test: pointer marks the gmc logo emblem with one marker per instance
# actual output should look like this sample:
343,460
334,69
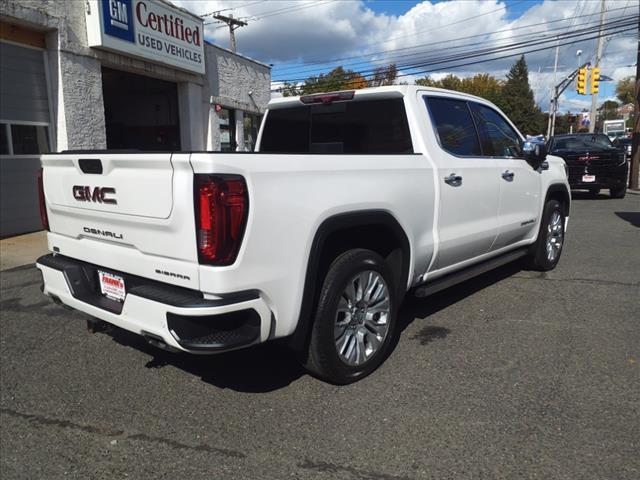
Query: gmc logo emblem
97,194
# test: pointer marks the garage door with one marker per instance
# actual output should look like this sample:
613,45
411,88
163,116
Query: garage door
24,134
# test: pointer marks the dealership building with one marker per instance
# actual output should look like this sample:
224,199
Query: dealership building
116,74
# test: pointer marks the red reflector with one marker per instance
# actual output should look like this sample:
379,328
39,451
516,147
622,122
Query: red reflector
328,97
44,218
221,214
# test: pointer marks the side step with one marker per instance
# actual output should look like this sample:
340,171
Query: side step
454,278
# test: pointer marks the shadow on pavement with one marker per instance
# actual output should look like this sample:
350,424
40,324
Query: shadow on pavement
632,217
263,368
272,366
585,195
420,308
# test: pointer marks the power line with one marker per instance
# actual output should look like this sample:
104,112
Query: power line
472,53
371,55
230,8
632,25
420,55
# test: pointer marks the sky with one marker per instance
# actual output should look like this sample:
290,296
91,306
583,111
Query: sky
307,37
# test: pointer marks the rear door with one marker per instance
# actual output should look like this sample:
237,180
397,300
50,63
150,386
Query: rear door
128,212
469,184
519,183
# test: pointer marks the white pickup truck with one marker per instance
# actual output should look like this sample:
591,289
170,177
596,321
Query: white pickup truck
353,200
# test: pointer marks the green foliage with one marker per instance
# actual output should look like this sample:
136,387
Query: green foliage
514,96
517,102
341,79
608,110
482,85
625,90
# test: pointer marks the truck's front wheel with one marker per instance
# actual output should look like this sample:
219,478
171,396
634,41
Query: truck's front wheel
355,318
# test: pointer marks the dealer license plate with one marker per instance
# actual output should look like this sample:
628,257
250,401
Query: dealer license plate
588,178
112,286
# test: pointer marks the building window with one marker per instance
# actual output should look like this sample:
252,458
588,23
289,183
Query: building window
251,127
227,130
23,139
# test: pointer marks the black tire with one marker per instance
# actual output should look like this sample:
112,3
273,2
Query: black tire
594,191
618,192
539,259
323,359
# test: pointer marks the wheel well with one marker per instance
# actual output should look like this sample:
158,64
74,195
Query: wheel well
560,193
378,231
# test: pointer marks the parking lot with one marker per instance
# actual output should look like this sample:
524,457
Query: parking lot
516,374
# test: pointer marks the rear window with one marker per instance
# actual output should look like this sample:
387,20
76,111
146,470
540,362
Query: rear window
454,126
372,126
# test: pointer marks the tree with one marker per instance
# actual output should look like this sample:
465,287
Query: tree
426,82
625,90
482,85
517,100
384,76
340,79
290,90
608,110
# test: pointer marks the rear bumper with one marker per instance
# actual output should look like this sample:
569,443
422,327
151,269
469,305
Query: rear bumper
182,318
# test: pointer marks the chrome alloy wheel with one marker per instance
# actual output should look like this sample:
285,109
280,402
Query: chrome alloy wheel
361,321
555,236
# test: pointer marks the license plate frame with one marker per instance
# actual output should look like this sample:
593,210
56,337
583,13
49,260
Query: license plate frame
112,286
588,178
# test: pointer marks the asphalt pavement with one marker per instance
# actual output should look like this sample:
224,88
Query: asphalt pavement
515,374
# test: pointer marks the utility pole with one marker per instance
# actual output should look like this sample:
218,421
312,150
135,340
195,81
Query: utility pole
555,91
594,96
635,149
233,24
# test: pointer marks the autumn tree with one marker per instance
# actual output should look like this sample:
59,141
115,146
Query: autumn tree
482,85
340,79
384,76
625,90
608,110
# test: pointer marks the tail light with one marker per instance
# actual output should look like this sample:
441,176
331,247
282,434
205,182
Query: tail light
44,218
221,204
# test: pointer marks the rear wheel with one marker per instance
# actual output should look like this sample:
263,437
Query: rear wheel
355,318
548,248
618,192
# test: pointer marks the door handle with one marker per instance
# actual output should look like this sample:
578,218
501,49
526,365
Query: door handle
508,176
453,180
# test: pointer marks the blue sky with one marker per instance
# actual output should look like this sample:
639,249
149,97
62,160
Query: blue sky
361,34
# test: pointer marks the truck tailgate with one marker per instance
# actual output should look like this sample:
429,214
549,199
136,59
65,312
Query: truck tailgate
128,212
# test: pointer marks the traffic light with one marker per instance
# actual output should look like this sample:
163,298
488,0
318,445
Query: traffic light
581,83
595,80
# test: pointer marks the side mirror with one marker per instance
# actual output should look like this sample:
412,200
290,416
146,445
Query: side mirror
534,152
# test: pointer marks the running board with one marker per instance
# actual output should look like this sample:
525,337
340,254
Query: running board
454,278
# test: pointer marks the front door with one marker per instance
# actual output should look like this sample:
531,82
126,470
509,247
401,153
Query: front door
519,183
469,185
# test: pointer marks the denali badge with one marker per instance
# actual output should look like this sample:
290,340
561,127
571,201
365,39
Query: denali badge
104,233
97,194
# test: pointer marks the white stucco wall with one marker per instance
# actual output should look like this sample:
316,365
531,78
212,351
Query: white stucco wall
236,83
75,79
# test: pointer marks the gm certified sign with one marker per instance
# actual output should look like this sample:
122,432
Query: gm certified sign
149,29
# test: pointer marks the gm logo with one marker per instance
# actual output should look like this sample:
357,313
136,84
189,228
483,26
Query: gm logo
117,19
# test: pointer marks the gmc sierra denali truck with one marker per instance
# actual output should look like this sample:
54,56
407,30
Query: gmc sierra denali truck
353,200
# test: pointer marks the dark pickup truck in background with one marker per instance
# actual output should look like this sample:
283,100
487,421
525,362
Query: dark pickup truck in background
594,162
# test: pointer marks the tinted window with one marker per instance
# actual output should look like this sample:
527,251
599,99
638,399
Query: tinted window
28,139
499,139
4,140
581,142
454,125
376,126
